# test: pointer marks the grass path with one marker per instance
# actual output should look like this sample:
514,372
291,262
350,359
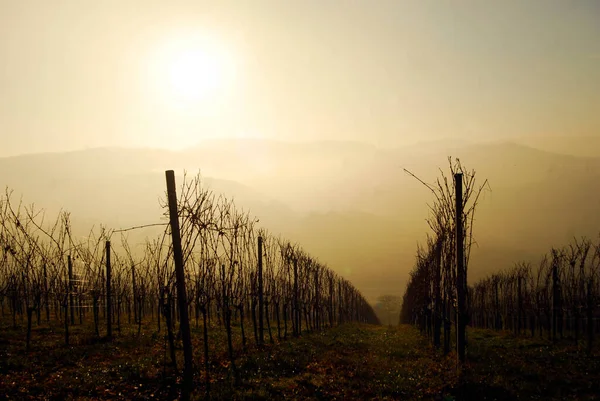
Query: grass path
350,362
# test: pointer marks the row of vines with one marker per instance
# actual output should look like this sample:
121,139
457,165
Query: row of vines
237,276
557,299
436,294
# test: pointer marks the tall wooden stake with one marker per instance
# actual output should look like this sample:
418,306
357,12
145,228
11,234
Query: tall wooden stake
261,337
460,271
437,315
555,296
519,305
296,313
340,304
590,315
46,296
71,303
108,293
134,295
188,373
317,300
65,305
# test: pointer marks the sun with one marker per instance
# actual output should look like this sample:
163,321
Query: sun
195,74
190,80
193,71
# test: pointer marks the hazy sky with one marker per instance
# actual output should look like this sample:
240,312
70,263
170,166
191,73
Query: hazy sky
77,73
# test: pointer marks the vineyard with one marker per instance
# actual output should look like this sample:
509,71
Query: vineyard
557,299
239,281
217,307
531,328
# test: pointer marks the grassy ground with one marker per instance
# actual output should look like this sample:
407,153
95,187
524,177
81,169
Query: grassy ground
510,367
344,363
349,362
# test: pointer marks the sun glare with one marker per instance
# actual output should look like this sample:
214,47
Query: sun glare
195,74
194,71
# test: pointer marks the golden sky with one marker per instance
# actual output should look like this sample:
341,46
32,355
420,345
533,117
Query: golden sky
79,73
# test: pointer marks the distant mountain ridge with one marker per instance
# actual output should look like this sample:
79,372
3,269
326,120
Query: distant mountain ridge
580,146
350,204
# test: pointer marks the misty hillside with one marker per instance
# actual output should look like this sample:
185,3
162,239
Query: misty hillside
583,146
350,204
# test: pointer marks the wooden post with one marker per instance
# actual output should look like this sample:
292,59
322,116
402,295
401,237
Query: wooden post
181,293
590,316
253,303
460,270
437,315
65,305
46,297
555,296
340,304
296,314
317,300
108,293
519,305
133,294
71,303
261,337
331,311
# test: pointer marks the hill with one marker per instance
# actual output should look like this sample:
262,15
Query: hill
350,204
